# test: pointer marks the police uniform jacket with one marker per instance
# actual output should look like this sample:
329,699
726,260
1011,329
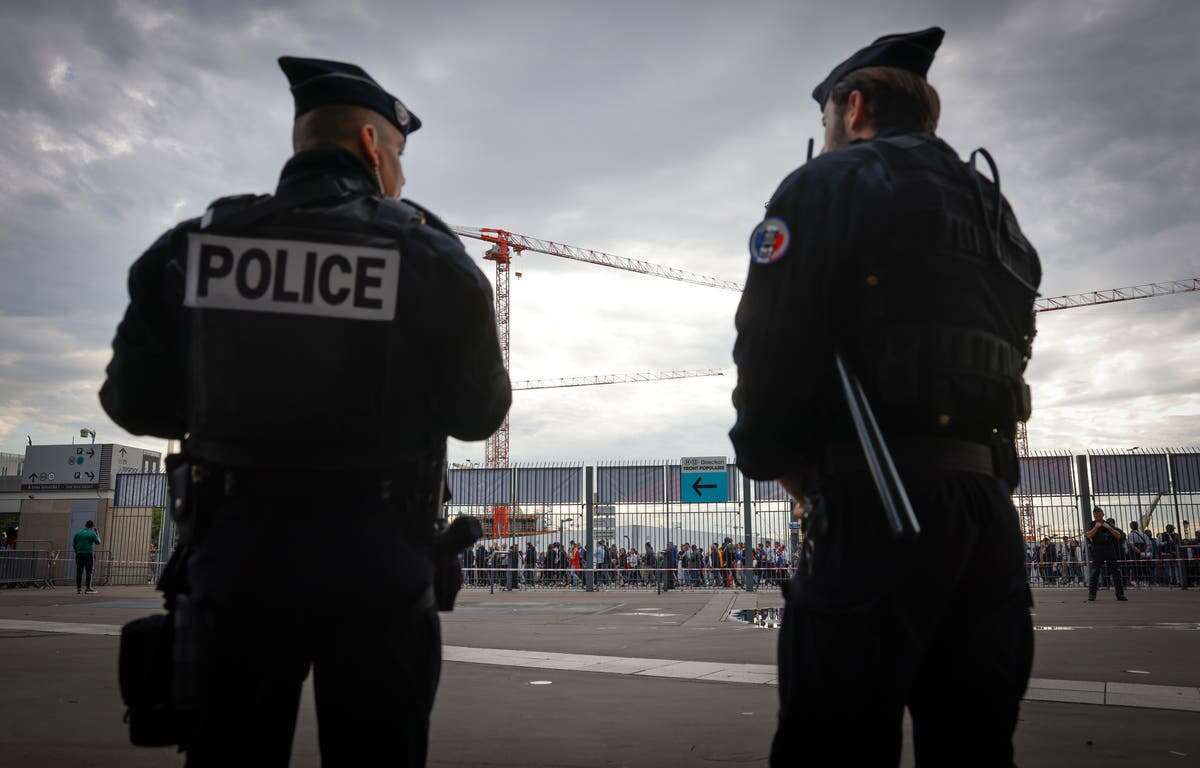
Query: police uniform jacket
891,250
323,316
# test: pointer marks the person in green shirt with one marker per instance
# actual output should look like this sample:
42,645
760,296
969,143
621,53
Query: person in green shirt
85,543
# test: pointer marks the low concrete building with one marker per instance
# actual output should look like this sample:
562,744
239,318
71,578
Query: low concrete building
63,486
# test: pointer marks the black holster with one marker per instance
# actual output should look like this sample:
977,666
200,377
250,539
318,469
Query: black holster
150,671
1005,462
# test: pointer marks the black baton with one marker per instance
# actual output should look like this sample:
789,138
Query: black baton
896,506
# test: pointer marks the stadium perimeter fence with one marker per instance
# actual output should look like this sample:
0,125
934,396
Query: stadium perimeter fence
638,505
529,510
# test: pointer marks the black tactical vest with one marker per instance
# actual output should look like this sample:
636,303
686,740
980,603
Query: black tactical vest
296,356
941,313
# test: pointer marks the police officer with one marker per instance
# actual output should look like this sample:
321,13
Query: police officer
313,349
894,252
1105,539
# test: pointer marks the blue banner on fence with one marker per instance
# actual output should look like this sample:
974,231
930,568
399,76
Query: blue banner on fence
1047,475
1185,470
140,489
550,485
480,487
631,484
1129,474
769,490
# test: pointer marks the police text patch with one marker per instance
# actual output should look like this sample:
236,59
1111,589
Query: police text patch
769,241
296,278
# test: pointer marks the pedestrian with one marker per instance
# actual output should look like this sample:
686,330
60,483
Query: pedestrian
600,564
328,313
1048,561
1138,552
84,543
891,251
1105,539
576,564
1169,546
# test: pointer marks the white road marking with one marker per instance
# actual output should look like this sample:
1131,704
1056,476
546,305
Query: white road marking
1186,698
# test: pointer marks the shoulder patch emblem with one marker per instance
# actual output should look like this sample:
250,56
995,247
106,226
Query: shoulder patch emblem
769,241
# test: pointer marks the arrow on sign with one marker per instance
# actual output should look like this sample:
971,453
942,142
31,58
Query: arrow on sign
698,486
91,452
32,476
91,475
122,451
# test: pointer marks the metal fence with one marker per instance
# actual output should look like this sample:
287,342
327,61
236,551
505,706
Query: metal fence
623,525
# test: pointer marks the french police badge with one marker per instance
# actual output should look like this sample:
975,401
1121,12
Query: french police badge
769,241
401,114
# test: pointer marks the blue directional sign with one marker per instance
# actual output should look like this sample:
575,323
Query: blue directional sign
703,479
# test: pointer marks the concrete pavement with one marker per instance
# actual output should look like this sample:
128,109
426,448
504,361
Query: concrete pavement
708,696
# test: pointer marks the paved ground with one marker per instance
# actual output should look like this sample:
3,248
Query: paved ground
59,703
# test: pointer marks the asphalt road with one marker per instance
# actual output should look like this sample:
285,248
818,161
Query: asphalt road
59,703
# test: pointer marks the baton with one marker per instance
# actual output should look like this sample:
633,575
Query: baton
896,506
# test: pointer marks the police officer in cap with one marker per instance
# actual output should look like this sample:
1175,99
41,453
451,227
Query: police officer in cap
892,251
313,349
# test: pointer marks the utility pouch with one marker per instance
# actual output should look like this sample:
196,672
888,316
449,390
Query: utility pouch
1004,461
182,477
144,672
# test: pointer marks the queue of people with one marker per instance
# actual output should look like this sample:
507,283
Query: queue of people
1144,559
718,565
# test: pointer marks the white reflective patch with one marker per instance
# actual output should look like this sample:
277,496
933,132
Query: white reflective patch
290,277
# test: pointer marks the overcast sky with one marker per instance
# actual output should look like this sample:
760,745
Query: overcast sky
651,130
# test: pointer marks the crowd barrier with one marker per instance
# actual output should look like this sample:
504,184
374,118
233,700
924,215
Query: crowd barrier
657,579
55,568
1171,572
24,567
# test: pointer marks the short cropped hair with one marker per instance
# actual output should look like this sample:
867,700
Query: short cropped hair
334,124
895,98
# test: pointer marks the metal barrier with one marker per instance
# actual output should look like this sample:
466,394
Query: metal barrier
106,570
1140,573
23,567
617,579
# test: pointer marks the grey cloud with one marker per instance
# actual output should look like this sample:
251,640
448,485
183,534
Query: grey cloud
651,131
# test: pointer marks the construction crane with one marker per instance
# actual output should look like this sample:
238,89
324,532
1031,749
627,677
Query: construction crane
613,378
505,244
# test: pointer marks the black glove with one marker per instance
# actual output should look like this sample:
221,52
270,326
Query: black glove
447,569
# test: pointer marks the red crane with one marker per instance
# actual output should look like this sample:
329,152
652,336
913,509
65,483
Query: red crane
505,244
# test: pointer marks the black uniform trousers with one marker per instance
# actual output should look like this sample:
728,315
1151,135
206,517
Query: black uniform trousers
1104,558
941,626
282,585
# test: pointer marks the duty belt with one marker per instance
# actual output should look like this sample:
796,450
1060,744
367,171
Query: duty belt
917,453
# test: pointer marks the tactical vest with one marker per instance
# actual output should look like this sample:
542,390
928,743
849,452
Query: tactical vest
295,349
941,313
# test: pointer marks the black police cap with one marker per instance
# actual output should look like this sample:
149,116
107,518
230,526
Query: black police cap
317,82
910,51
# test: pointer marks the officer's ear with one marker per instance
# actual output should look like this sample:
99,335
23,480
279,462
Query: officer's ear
857,115
368,140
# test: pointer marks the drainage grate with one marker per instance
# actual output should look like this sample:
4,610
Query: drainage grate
767,618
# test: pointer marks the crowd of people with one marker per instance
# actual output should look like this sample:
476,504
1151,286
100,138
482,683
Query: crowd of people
1146,559
719,565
